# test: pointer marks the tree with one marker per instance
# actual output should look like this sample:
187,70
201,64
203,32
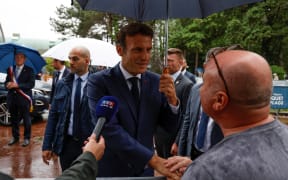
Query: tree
74,22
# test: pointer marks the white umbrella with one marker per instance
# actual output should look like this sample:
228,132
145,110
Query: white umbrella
102,53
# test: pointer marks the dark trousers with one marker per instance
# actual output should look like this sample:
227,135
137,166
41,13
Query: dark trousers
72,148
19,109
163,142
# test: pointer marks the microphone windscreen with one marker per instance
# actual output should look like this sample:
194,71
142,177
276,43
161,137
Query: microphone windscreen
107,107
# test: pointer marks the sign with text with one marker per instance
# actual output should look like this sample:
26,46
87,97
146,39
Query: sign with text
279,98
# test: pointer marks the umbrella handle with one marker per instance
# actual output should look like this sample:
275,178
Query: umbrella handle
165,70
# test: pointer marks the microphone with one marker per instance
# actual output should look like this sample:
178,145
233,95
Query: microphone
106,109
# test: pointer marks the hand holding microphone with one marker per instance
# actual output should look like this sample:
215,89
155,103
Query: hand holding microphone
105,110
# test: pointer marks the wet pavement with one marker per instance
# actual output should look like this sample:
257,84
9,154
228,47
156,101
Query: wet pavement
26,162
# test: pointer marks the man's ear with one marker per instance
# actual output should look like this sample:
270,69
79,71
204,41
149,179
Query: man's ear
119,50
220,101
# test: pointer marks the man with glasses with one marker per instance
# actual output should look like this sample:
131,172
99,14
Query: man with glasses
236,94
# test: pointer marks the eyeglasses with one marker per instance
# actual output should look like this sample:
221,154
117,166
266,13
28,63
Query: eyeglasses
217,50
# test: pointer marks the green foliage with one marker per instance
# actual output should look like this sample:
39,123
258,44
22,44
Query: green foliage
279,71
49,68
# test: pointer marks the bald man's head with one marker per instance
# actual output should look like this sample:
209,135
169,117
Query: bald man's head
247,74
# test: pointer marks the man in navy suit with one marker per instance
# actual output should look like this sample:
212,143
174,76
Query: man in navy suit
19,83
60,72
129,136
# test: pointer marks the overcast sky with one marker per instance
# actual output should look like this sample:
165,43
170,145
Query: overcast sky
29,18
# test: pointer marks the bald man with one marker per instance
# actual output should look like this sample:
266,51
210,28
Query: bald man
236,91
69,122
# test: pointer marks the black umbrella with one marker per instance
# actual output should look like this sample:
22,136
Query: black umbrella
145,10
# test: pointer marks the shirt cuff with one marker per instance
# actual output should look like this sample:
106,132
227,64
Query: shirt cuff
175,109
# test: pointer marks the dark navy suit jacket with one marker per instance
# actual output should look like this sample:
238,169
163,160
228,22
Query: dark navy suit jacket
59,115
128,138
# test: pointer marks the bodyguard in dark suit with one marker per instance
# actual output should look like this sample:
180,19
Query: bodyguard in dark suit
69,122
191,125
163,139
129,136
19,82
60,72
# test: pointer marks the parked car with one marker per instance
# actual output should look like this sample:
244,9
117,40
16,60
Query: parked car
40,97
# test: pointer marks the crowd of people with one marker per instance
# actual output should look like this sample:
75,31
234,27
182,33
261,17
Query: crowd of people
217,129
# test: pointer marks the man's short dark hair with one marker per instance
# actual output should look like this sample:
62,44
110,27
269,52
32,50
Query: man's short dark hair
176,51
19,52
131,30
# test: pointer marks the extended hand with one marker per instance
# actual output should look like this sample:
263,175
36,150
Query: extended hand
158,164
178,164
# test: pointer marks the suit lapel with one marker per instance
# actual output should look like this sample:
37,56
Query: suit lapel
120,88
178,80
145,87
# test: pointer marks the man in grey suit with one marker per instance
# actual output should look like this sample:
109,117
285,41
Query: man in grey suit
189,130
163,139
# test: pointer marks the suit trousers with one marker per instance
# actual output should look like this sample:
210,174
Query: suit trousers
19,109
163,142
72,148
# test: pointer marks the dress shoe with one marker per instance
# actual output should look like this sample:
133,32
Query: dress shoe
25,142
13,141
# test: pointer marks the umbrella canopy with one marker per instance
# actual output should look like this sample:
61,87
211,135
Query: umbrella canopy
145,10
7,53
102,53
